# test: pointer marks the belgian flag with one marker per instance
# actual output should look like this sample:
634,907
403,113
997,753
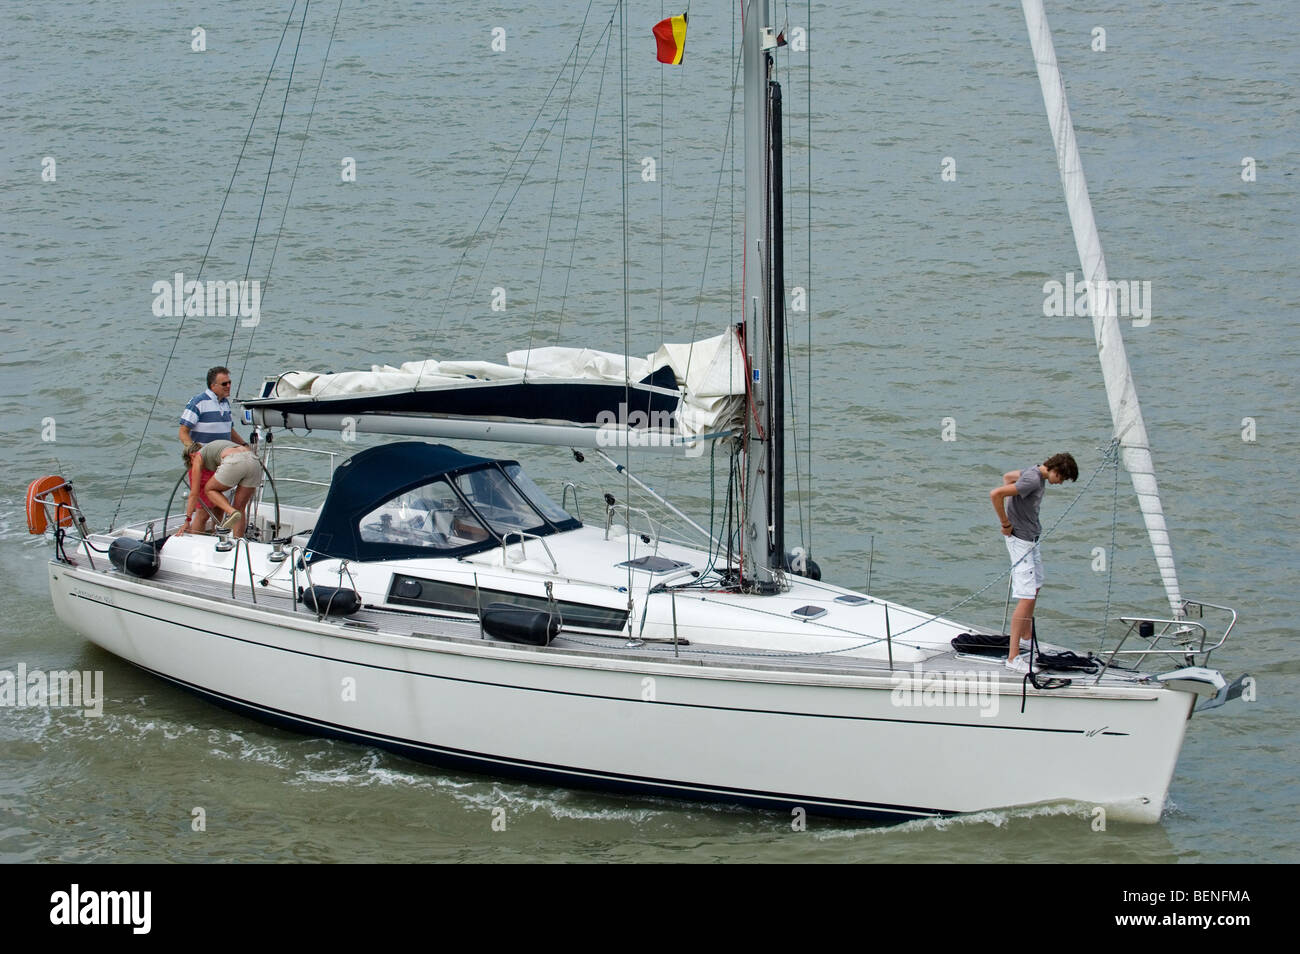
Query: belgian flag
670,35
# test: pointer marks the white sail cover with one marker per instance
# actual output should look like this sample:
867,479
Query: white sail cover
709,374
1120,392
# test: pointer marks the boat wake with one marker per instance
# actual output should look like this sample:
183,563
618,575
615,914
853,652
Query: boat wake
998,818
474,795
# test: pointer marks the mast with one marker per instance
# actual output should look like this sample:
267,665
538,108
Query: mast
759,516
1130,429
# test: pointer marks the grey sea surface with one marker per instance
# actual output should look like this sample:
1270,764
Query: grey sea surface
933,368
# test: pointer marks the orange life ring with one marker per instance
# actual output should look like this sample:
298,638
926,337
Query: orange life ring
53,491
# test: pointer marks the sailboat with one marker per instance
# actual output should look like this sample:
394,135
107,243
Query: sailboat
444,606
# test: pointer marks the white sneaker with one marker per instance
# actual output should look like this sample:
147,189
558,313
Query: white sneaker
1019,664
230,520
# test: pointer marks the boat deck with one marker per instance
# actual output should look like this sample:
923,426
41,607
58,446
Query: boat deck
383,621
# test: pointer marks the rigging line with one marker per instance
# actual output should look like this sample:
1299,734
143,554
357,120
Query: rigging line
807,290
713,216
727,140
744,233
732,297
627,313
663,163
715,544
506,177
586,170
733,505
781,70
270,167
153,406
520,184
289,197
555,188
794,435
1110,556
662,157
496,231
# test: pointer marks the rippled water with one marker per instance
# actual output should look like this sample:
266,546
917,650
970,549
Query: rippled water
926,303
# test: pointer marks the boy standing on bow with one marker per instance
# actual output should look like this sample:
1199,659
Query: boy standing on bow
1016,503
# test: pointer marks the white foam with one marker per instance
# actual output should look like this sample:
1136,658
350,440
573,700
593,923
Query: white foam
995,817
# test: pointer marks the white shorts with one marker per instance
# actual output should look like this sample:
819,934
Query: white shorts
1026,568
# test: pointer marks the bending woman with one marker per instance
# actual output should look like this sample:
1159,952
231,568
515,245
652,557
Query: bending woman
232,465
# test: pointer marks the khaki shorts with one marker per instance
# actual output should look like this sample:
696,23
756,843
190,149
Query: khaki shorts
242,469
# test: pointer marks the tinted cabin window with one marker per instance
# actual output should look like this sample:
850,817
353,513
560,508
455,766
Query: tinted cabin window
549,508
429,516
499,503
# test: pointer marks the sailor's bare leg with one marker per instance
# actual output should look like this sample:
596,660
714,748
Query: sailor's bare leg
1022,625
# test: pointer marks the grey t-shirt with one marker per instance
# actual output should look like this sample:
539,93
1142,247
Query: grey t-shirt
211,453
1022,509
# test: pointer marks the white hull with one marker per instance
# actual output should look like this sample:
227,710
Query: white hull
853,742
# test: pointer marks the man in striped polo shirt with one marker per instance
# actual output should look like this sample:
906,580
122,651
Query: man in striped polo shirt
207,416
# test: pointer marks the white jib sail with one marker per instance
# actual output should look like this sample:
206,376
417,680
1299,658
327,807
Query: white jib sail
1124,409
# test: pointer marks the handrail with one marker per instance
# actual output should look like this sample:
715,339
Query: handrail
72,507
1200,608
234,570
56,528
167,511
255,504
1190,638
523,536
629,510
564,498
272,448
309,450
306,569
344,568
304,480
295,554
